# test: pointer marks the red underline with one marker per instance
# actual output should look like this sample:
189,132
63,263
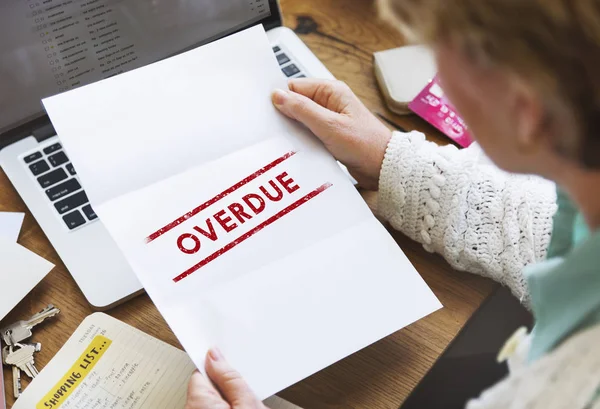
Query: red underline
252,232
218,197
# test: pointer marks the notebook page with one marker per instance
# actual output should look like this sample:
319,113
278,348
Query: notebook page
109,364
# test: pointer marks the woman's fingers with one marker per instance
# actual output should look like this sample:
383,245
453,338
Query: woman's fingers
230,383
337,117
203,395
302,109
333,95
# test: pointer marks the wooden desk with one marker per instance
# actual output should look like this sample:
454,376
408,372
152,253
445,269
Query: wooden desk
344,34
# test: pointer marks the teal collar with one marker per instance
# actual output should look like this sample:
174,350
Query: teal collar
565,293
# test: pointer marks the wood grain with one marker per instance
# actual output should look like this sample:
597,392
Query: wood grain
343,34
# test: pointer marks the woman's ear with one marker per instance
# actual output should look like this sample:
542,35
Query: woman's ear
528,113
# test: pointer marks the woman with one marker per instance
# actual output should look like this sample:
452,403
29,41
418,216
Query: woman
524,75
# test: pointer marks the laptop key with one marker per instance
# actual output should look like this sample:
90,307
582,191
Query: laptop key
71,202
276,49
65,188
30,158
58,159
73,219
89,212
39,167
282,58
290,70
71,169
301,76
52,178
52,148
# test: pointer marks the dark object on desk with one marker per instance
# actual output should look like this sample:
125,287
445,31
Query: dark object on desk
390,122
468,366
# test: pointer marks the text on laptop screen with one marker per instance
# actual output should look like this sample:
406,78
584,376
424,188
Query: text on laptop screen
51,46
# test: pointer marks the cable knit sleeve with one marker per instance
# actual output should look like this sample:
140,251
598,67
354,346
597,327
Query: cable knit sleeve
457,203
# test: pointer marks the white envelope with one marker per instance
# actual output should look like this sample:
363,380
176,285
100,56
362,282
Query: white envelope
20,271
10,225
173,157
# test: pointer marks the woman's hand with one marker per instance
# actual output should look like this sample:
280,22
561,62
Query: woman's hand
347,128
230,391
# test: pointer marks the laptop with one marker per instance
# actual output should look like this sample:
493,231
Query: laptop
468,366
51,46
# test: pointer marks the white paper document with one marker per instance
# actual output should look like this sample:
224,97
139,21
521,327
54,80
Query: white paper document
20,271
238,222
10,225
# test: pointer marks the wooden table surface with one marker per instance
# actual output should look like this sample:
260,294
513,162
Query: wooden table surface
343,34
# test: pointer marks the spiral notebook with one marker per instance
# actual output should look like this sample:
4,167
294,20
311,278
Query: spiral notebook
109,364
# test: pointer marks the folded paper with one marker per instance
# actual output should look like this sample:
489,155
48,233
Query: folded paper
240,225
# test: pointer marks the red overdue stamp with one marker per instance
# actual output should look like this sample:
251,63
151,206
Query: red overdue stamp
232,214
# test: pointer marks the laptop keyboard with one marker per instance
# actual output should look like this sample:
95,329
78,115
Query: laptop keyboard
289,68
57,177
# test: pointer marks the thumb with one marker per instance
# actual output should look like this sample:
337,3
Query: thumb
202,394
303,109
233,387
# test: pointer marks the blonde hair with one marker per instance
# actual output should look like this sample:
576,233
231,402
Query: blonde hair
552,44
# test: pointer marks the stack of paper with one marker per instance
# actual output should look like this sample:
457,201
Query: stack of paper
241,226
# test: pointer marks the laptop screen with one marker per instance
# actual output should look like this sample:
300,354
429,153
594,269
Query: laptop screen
51,46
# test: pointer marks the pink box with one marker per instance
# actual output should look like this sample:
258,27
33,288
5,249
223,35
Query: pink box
433,106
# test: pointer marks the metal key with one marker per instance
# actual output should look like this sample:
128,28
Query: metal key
21,330
5,352
23,359
37,346
16,372
8,349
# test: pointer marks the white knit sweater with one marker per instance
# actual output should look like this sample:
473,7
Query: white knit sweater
457,203
487,222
